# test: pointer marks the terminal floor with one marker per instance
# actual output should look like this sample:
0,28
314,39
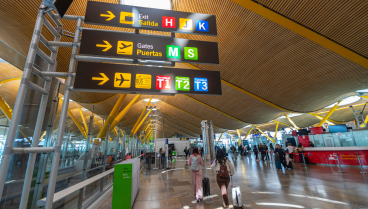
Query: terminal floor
262,186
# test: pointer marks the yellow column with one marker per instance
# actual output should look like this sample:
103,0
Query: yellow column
277,126
329,121
5,108
84,120
219,138
141,116
147,125
328,114
112,115
296,127
292,128
77,123
239,135
139,125
266,135
250,130
99,125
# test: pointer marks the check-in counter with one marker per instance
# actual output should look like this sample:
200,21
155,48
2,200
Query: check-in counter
327,155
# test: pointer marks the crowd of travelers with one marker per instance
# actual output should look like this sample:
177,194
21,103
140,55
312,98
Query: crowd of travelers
225,169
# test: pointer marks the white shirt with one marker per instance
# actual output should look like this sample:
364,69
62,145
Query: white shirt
290,149
230,167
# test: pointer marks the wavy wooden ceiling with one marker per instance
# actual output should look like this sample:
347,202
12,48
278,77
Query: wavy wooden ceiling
256,55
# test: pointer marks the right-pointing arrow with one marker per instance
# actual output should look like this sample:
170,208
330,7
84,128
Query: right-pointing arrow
110,15
107,46
103,79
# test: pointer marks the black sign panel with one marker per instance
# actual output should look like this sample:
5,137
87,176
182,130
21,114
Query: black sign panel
139,46
61,6
131,79
148,18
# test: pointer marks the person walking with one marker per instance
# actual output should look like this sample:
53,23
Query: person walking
265,150
195,163
162,154
279,157
290,150
186,151
255,151
224,169
300,151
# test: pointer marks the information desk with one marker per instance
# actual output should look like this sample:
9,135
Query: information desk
327,155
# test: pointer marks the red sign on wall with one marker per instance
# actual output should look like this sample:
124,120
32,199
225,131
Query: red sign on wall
304,140
163,82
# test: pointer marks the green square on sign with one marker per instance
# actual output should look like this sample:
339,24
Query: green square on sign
182,83
173,51
190,53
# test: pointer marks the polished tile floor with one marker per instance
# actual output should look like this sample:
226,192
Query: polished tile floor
261,186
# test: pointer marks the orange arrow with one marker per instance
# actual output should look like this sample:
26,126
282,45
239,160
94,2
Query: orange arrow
103,79
107,46
110,15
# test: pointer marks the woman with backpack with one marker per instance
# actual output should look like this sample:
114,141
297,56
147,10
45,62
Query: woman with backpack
195,163
224,170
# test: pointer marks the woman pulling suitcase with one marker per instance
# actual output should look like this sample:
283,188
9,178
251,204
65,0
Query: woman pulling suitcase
224,170
195,163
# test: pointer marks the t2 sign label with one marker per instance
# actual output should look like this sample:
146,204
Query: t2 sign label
116,78
147,18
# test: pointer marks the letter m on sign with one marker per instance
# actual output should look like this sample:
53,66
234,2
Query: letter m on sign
173,51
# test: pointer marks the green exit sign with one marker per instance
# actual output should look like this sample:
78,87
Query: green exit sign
182,83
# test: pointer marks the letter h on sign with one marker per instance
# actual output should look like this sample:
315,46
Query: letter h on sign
168,22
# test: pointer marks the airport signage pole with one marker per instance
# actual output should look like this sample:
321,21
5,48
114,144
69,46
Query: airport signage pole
62,121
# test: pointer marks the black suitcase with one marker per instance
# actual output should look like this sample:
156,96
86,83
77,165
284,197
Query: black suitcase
206,187
290,165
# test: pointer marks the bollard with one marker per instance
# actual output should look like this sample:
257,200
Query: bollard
361,167
305,164
338,161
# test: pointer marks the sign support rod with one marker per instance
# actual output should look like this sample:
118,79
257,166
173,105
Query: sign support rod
63,116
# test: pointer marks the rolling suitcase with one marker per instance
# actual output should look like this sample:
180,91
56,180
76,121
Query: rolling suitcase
289,165
236,193
206,187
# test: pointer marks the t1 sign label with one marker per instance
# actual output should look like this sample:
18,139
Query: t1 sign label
138,46
147,18
115,78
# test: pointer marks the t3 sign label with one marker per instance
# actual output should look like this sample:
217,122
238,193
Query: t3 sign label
147,18
115,78
137,46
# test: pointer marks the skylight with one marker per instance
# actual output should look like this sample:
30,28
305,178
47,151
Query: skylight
346,101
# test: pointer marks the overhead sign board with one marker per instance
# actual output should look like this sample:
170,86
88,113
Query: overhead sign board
117,78
137,46
148,18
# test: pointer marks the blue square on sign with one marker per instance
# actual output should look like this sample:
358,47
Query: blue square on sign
202,25
200,84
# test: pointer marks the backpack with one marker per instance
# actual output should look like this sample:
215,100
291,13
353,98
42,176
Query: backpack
223,173
195,164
